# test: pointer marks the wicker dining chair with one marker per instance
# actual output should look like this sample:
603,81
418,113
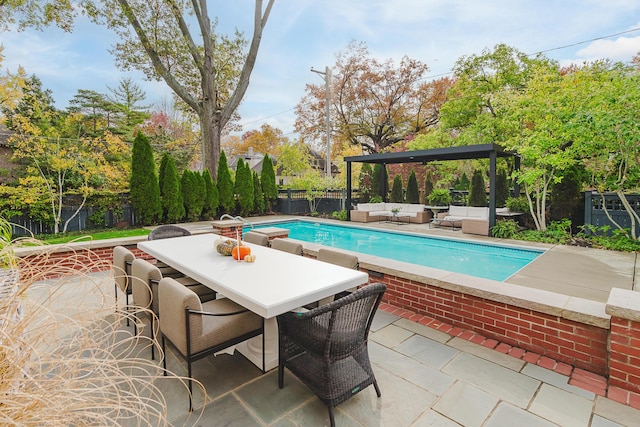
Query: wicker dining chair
343,259
326,348
198,329
256,238
167,231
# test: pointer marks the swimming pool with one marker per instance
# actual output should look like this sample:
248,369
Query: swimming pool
496,262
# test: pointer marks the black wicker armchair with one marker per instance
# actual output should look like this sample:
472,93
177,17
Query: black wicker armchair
167,231
326,348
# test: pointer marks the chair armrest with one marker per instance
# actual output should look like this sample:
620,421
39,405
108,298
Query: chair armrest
208,313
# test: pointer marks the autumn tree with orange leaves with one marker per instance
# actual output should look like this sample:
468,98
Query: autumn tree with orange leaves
374,103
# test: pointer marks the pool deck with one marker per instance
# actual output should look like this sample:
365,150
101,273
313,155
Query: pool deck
568,270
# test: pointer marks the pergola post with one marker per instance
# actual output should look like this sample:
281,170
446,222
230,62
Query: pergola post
492,190
348,207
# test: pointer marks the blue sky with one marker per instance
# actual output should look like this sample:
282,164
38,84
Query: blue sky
302,34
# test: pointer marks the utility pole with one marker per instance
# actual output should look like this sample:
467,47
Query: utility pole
326,75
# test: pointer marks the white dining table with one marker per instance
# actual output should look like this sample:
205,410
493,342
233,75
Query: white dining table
276,282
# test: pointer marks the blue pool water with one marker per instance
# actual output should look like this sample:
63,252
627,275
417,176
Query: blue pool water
475,259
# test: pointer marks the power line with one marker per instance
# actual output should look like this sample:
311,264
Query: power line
586,41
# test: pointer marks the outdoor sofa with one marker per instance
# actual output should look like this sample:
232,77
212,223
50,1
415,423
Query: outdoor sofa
369,212
472,219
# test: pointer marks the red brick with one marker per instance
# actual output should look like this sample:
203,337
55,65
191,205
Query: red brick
547,363
589,377
517,352
617,394
589,387
503,348
490,343
634,400
531,357
563,368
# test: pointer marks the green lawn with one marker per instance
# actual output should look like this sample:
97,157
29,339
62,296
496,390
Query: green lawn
96,235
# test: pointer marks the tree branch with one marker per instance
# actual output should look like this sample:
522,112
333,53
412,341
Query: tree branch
155,59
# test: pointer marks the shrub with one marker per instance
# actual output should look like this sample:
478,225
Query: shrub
413,195
268,182
376,199
225,185
340,215
144,187
502,188
172,199
506,229
428,185
365,183
258,195
396,190
439,197
477,193
211,200
379,183
193,194
244,187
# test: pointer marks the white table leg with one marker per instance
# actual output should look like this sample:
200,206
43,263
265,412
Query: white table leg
252,349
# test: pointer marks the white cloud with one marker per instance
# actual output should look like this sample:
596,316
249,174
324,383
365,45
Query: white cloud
620,49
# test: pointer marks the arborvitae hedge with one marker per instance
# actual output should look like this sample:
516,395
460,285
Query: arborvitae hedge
428,186
396,190
193,194
477,193
225,186
365,183
502,188
172,200
162,172
143,186
258,196
413,194
379,176
244,187
268,182
211,201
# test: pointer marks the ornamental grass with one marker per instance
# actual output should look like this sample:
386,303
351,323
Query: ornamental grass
66,354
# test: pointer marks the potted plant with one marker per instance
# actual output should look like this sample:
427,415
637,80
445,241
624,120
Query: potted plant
439,197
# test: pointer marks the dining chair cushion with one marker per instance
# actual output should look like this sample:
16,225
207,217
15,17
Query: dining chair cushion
145,277
121,257
287,245
333,256
256,238
205,331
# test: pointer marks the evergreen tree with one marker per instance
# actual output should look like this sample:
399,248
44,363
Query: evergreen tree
244,187
144,188
380,183
477,194
258,196
396,190
162,173
192,194
225,186
172,200
211,200
268,181
365,183
428,186
413,194
464,182
502,188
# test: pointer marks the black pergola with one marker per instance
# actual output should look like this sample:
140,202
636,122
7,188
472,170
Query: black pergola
482,151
